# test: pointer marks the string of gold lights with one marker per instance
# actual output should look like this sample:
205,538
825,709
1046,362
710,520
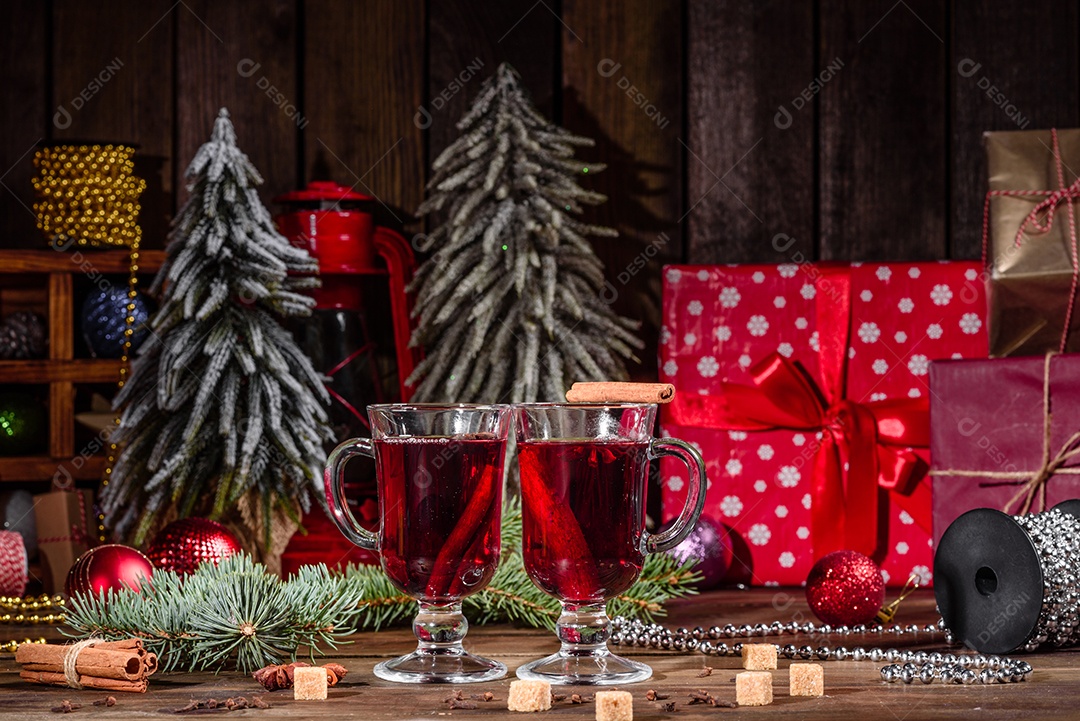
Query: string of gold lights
31,610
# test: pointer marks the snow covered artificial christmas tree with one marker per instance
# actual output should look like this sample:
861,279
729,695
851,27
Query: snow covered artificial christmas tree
511,303
221,402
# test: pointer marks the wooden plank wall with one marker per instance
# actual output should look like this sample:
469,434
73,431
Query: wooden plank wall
732,131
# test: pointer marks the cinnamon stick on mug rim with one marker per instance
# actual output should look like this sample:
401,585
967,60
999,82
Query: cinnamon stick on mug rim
619,392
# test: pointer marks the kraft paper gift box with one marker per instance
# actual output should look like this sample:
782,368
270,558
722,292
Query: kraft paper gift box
1031,235
1001,435
805,388
66,528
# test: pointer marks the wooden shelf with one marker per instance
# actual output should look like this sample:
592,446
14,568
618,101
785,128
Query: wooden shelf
45,281
44,468
77,260
81,370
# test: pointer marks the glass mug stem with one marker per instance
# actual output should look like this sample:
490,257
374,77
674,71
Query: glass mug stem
440,629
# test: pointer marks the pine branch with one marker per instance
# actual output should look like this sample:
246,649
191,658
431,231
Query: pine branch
235,614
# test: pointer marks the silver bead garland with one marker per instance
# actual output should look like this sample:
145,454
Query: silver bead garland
905,666
1056,536
1055,540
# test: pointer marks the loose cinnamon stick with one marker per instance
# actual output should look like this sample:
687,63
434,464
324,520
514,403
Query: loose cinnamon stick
104,684
615,392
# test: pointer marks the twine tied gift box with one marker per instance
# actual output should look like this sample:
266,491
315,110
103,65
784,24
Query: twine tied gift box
66,528
1004,435
1031,241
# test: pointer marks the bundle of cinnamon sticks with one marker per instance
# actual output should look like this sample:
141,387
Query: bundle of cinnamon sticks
105,665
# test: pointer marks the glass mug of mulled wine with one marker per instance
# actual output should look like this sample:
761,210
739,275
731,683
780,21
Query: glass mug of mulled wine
584,470
439,470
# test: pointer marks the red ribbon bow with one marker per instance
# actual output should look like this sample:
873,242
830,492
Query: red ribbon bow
863,446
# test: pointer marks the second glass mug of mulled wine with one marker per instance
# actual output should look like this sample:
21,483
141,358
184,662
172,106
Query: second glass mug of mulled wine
439,470
584,470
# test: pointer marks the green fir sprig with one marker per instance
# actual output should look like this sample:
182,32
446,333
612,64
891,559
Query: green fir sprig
236,609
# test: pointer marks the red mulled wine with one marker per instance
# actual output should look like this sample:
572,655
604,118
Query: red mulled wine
440,501
583,504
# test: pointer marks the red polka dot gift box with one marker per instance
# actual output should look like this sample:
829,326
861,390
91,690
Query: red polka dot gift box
805,387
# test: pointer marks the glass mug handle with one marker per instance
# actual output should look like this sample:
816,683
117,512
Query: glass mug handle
695,496
334,482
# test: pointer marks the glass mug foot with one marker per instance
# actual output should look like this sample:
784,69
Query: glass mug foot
602,668
449,666
584,658
439,656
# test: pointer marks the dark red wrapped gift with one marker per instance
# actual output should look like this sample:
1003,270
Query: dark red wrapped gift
1004,435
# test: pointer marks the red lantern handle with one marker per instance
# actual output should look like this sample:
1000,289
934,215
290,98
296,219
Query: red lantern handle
400,263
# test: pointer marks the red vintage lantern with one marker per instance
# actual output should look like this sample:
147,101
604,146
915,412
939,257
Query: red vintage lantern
335,225
363,351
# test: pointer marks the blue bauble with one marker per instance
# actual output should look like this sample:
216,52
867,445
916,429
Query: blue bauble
104,314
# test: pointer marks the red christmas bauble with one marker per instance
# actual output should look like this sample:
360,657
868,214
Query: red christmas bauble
185,544
104,567
845,588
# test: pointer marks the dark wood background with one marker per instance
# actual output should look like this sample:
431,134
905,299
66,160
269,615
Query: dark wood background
884,161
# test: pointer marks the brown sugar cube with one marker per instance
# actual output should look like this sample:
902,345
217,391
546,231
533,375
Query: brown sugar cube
529,696
614,706
759,656
806,679
753,688
309,683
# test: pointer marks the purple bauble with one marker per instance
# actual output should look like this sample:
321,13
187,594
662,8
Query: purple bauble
707,544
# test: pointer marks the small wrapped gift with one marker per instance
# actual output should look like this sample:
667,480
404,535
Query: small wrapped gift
66,528
1030,239
804,386
1004,435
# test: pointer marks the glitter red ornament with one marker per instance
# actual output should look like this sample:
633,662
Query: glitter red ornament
183,545
845,588
104,567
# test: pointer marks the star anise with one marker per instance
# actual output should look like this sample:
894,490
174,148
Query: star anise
281,676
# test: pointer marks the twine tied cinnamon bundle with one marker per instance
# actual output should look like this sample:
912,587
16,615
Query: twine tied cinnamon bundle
93,664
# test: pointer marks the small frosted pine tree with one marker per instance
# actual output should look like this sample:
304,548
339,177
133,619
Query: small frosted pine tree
221,401
511,302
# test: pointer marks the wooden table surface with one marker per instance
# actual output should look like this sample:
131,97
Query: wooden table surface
853,690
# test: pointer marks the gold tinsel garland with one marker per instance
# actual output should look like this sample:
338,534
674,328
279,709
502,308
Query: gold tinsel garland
89,196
